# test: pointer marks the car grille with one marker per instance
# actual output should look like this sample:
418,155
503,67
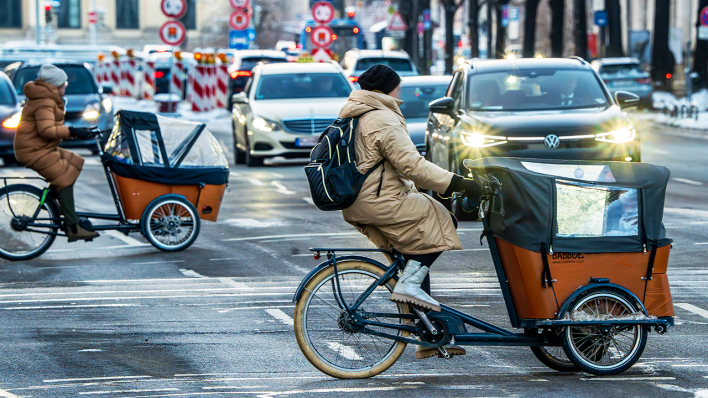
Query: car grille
307,126
291,145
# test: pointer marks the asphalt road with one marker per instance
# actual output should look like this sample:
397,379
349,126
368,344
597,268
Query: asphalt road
118,318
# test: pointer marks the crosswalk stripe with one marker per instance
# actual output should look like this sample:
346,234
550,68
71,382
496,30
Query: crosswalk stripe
693,308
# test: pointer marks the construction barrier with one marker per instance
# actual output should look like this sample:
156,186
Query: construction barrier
177,76
129,79
116,76
222,85
199,88
149,87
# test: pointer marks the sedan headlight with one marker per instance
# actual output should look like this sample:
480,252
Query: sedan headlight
264,125
92,111
620,136
107,104
477,140
13,121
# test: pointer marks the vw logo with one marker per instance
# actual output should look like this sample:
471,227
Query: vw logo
551,141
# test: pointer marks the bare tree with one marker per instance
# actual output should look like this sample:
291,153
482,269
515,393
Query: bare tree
450,7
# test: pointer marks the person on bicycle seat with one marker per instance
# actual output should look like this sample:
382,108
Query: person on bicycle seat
389,210
37,140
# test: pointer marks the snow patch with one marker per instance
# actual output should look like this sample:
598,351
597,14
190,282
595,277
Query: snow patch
581,316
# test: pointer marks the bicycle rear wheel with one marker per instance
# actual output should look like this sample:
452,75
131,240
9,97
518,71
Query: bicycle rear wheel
18,204
323,335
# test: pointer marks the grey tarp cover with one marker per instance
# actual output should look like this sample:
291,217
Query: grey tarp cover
527,216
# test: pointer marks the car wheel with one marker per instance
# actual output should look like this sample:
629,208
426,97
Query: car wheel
252,161
239,155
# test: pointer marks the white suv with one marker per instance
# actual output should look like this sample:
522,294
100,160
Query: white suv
284,108
355,62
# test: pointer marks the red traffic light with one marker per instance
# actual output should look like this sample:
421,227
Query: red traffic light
668,75
351,14
47,7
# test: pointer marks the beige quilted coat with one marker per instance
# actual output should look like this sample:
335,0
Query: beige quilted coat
400,217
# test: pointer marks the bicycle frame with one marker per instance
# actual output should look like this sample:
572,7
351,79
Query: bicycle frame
123,225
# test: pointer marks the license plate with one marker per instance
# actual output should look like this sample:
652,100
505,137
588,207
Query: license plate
621,83
306,141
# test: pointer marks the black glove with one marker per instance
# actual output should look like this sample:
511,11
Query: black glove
82,133
470,188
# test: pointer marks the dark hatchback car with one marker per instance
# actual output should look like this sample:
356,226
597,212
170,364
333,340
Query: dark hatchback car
86,104
10,111
530,108
417,92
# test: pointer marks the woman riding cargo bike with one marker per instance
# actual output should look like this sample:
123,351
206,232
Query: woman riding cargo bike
578,247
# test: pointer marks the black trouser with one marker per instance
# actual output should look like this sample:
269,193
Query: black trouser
65,197
427,260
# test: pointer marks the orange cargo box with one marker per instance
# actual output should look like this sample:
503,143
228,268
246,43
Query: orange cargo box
136,195
523,269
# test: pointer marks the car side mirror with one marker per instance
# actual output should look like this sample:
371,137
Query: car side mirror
107,89
445,105
239,98
626,100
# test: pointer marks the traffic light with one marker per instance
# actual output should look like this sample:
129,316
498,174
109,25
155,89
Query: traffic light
48,13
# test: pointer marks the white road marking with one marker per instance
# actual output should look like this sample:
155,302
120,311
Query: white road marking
63,307
291,236
140,246
223,311
96,378
701,243
686,181
699,222
158,262
660,152
690,365
234,284
345,351
693,308
280,188
125,391
276,175
234,387
249,223
256,182
189,272
234,174
124,238
629,378
281,240
224,259
281,316
91,350
308,200
6,394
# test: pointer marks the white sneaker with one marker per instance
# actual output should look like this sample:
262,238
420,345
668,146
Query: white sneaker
408,290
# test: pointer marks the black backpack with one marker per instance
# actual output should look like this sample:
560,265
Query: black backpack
334,179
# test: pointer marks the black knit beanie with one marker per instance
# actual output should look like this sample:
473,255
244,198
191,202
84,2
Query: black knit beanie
379,77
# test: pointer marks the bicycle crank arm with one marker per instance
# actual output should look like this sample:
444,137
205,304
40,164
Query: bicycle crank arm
426,321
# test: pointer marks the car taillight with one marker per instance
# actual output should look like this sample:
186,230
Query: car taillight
159,74
240,73
646,80
353,78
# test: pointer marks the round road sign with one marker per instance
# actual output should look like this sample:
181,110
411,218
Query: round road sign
173,33
92,17
238,20
704,16
236,4
321,36
174,8
323,12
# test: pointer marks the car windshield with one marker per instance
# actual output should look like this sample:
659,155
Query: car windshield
6,97
542,89
250,62
397,64
417,97
80,79
623,69
302,85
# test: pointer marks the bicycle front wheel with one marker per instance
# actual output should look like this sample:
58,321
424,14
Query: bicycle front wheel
18,204
323,335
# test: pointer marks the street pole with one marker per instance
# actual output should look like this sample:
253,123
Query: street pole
94,27
36,4
490,51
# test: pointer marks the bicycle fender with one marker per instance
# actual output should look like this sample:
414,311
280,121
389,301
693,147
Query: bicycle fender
326,264
594,286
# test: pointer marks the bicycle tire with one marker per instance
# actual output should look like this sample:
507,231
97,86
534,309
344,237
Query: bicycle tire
50,207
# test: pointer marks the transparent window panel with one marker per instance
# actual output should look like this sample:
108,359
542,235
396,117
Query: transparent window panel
596,173
176,134
118,147
589,210
206,152
149,148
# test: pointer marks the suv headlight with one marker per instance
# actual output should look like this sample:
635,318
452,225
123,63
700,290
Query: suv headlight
13,121
477,140
107,104
92,111
264,125
619,136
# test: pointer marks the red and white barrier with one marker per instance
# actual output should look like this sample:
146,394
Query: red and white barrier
200,88
222,86
116,76
129,82
177,76
148,87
